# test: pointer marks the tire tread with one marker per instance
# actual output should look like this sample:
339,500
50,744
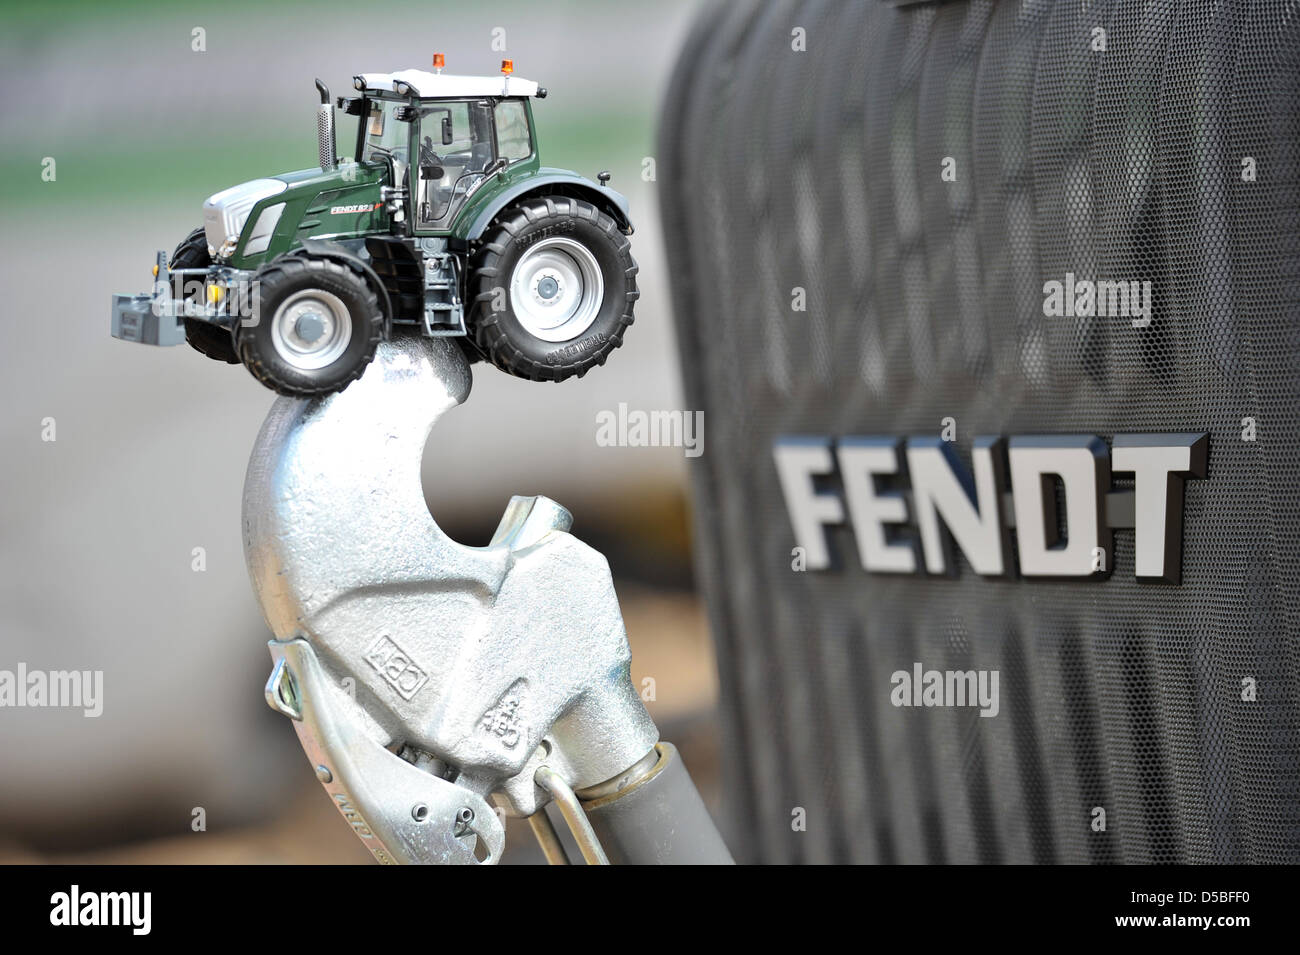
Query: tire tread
490,338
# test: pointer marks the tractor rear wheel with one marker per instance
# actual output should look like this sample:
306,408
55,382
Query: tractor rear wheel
204,337
552,289
312,328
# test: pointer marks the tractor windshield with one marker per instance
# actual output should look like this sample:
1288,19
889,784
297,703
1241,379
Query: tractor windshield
385,135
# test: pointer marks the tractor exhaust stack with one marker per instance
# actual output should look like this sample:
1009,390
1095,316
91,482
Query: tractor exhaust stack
325,129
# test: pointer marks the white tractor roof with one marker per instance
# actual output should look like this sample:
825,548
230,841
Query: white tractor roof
424,83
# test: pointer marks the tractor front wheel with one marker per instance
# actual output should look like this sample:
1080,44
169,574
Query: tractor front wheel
311,326
552,290
204,337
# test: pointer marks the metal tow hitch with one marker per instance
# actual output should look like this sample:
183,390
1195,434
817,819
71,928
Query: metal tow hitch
425,677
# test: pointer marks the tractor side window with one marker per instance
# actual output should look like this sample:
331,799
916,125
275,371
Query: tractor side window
445,131
454,150
513,140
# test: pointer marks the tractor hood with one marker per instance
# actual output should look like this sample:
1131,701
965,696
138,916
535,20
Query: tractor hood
342,180
257,220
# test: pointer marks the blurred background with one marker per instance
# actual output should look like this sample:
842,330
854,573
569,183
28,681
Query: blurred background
98,528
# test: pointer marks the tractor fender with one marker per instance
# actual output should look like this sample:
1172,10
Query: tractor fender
338,252
612,203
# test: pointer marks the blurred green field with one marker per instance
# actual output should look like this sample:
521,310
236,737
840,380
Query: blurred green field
114,93
181,168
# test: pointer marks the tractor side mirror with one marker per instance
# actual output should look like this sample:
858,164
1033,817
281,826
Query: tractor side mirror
446,131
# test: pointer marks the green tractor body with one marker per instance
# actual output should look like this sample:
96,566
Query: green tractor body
441,221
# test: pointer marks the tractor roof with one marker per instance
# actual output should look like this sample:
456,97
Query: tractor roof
425,84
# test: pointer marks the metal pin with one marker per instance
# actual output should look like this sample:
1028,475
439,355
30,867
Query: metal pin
548,838
571,810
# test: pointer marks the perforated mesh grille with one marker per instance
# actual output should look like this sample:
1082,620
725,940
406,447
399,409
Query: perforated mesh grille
820,170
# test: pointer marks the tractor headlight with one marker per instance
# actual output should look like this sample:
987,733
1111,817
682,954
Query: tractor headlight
226,213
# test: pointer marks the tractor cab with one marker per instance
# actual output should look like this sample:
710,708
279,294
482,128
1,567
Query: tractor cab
446,137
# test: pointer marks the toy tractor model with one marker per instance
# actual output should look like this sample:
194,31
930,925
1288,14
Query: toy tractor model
445,223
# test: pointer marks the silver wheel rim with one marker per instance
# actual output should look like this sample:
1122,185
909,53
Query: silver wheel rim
311,329
556,289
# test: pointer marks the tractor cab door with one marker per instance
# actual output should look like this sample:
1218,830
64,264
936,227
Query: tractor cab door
454,146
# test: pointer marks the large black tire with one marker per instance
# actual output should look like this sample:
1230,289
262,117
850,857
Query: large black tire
204,337
497,323
317,288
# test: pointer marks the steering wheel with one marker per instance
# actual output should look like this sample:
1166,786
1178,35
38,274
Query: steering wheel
427,155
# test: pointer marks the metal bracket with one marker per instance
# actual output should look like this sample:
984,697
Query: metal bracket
400,812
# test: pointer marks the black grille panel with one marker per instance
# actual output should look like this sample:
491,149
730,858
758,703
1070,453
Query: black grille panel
821,170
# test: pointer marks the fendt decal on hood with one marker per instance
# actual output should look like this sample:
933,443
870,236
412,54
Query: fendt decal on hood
1027,483
360,207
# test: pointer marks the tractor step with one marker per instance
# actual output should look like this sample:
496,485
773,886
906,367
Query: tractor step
444,314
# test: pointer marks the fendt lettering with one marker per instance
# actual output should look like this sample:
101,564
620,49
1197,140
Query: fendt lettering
1053,491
